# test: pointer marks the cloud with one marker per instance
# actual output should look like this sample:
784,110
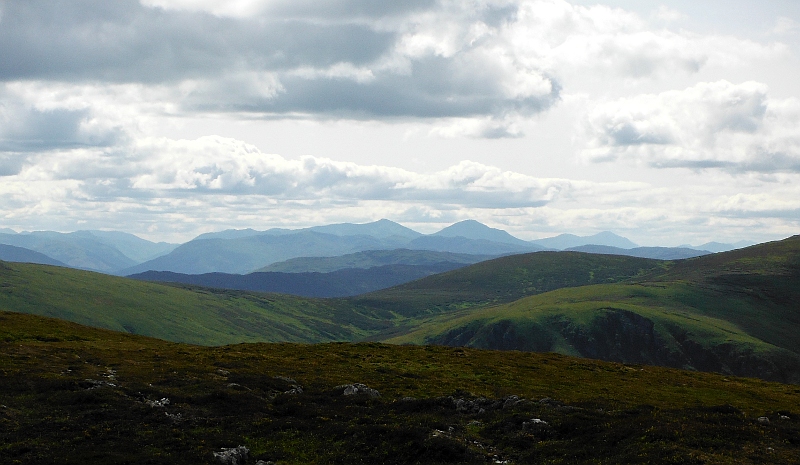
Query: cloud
216,166
26,127
734,127
496,62
175,188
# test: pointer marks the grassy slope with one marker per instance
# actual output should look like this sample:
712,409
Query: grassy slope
74,395
505,279
371,259
208,316
735,312
201,316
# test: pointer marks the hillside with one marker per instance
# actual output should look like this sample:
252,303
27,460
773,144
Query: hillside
194,315
505,279
371,259
734,312
78,395
659,253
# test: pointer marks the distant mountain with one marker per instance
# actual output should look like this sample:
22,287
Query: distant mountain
716,247
371,259
339,283
242,233
7,231
76,250
566,241
462,244
660,253
134,247
12,253
382,229
246,254
472,229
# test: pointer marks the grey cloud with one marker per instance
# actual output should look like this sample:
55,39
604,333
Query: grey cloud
31,130
124,41
762,163
628,134
435,87
10,163
346,9
718,125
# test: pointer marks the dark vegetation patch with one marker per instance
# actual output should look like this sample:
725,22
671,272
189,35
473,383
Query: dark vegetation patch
75,395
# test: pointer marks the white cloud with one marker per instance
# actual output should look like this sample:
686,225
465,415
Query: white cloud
735,127
667,14
784,25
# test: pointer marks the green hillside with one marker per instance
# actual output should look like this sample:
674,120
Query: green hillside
371,259
76,395
195,315
506,279
735,312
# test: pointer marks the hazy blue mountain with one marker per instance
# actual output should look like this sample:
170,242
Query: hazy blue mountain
566,241
371,259
660,253
246,254
472,229
716,247
242,233
383,229
462,244
339,283
7,231
11,253
76,250
134,247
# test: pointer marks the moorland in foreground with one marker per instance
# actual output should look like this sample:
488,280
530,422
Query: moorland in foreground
74,395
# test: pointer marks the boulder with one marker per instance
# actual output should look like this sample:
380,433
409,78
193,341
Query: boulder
358,389
232,456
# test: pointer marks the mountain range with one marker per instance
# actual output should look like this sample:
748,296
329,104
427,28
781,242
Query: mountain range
249,250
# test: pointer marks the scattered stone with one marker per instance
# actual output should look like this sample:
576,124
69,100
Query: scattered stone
534,423
175,417
163,402
511,401
223,372
784,417
763,420
232,456
358,389
95,383
261,462
294,386
477,406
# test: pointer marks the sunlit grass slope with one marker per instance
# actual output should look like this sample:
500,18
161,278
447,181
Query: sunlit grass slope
201,316
75,395
506,279
737,312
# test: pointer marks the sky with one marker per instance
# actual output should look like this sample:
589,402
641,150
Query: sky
667,122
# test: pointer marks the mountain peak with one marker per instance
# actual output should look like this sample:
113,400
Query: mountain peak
566,241
382,229
472,229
